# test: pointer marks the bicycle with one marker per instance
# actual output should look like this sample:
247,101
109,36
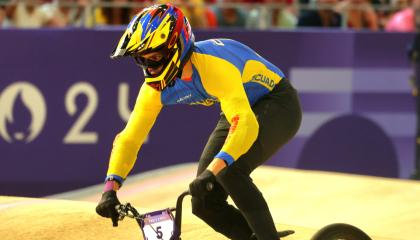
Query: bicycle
164,225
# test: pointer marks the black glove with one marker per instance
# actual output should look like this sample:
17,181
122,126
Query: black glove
203,184
106,207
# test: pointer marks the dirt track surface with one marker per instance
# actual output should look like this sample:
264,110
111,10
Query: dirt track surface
301,200
35,219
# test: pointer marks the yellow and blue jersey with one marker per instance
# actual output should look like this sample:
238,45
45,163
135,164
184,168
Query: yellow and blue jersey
258,75
224,71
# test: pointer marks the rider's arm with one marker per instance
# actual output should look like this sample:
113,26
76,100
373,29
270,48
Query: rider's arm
128,142
227,86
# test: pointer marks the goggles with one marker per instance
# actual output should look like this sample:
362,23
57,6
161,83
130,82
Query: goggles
148,63
152,63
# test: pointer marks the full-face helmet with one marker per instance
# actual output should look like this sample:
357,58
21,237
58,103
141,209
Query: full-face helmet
163,29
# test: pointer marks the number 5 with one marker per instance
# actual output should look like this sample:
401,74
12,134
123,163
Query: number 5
159,233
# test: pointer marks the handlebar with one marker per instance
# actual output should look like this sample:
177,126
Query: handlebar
127,210
178,215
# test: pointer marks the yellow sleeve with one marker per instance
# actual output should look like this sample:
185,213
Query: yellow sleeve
223,80
128,142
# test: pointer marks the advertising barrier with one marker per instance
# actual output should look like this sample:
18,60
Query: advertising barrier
63,100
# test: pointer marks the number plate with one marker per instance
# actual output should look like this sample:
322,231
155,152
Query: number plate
158,225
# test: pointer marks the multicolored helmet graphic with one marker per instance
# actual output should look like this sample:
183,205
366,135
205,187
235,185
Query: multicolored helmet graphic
159,28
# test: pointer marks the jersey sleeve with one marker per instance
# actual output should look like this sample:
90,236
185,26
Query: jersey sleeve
223,80
129,141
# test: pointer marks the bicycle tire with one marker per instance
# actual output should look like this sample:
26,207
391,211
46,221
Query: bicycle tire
340,231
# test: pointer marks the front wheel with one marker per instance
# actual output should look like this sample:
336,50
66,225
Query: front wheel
340,231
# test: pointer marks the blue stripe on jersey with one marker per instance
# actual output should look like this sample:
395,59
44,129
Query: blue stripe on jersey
119,179
226,157
254,91
233,52
187,92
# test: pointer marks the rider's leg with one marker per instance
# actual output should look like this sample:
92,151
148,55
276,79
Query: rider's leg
214,209
279,117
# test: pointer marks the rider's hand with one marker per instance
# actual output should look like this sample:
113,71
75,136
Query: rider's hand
203,184
106,206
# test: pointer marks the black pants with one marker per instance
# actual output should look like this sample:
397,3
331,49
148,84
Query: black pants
279,116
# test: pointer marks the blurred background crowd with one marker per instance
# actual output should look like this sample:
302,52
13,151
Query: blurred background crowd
373,15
